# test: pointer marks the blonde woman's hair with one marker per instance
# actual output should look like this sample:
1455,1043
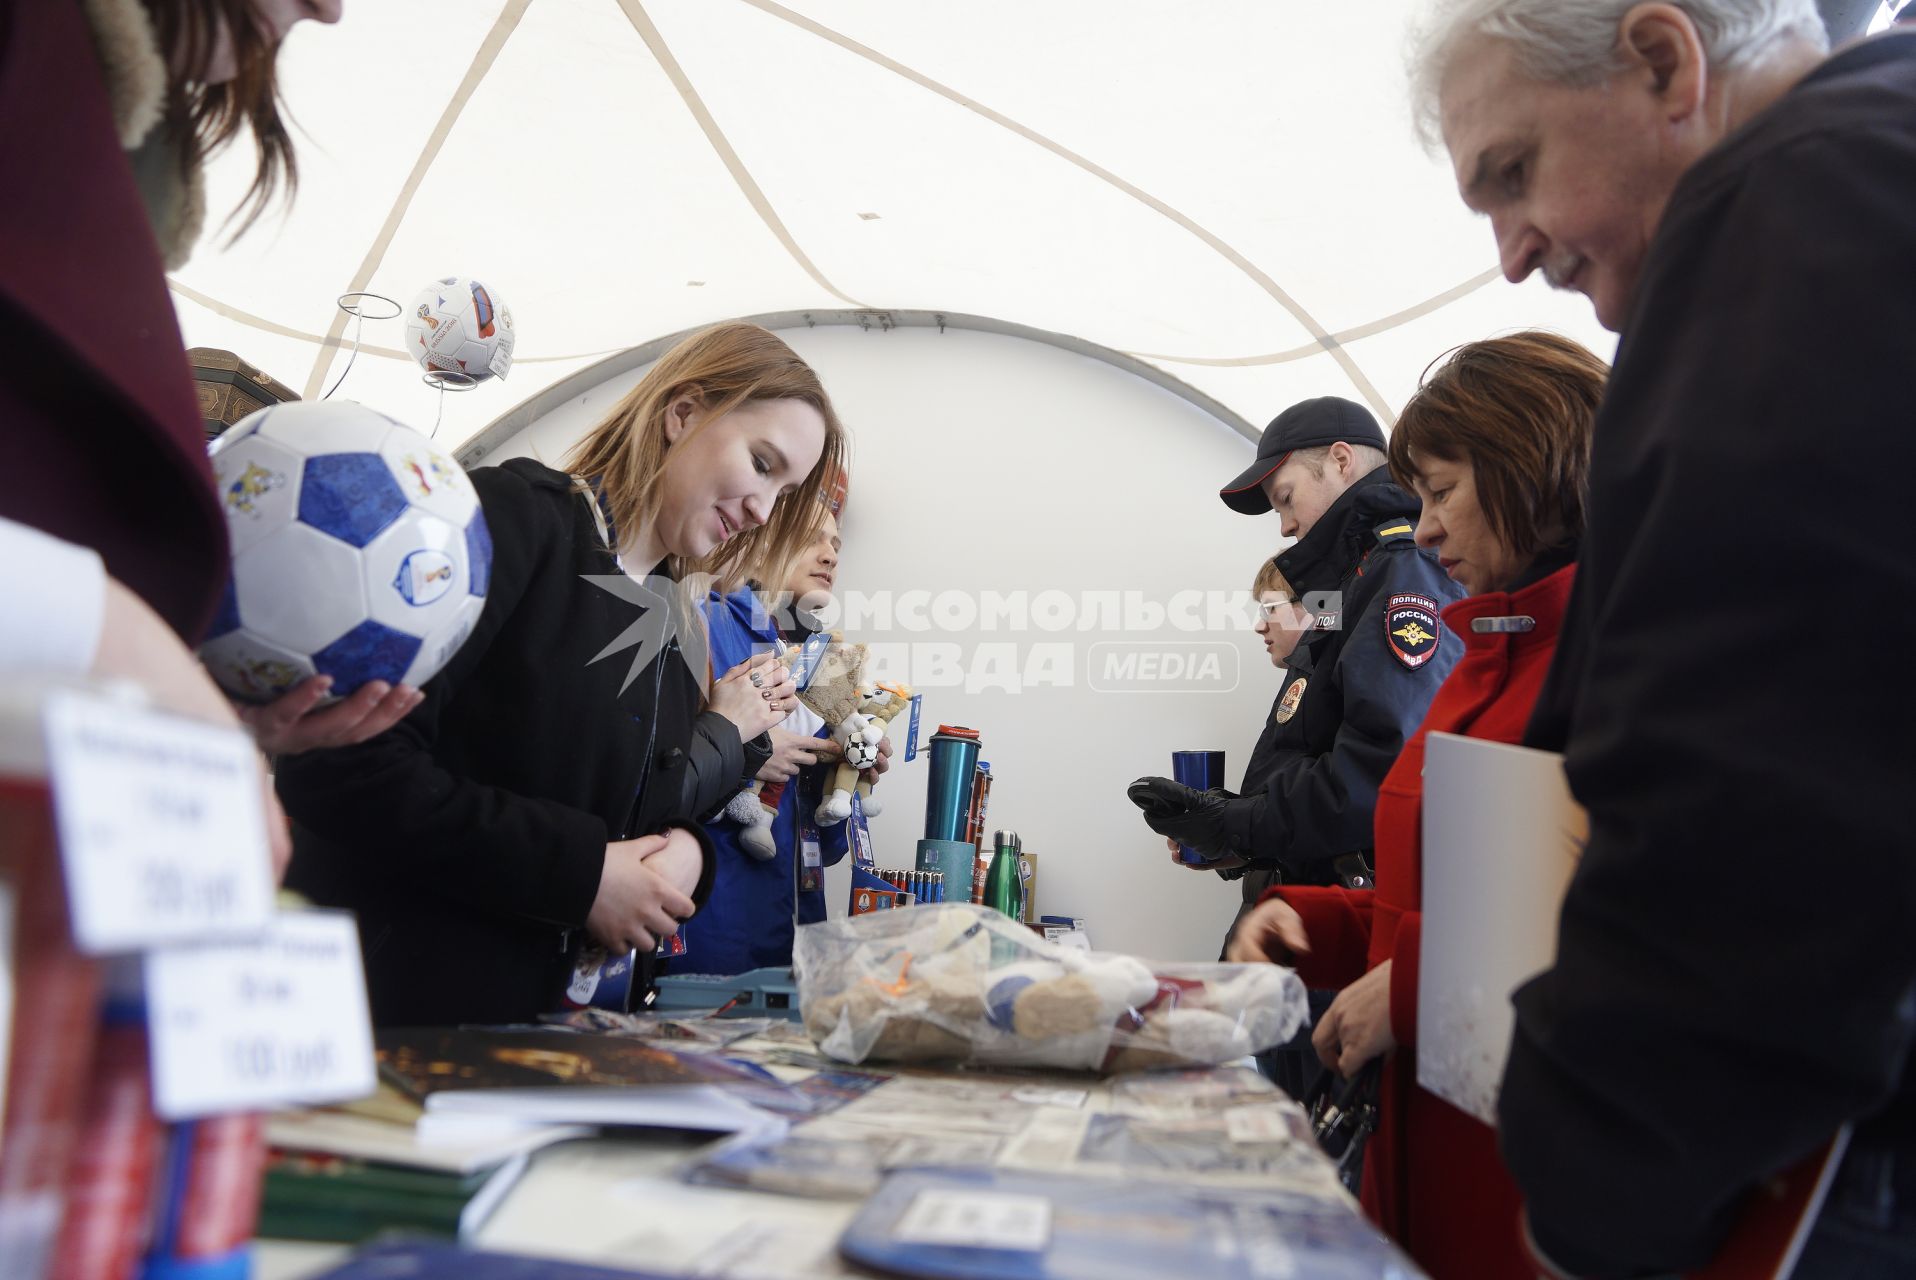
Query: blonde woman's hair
723,368
769,576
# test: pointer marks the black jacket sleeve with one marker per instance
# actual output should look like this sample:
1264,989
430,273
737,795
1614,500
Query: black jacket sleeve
718,766
1317,807
713,764
1734,948
387,798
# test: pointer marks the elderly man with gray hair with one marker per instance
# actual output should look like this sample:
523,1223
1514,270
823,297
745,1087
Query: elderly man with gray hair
1737,953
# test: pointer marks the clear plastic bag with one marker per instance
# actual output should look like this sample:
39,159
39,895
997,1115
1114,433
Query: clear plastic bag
961,983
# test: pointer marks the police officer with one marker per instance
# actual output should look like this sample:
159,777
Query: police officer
1362,678
1283,622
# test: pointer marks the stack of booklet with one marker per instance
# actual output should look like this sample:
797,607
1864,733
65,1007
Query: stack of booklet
849,1173
460,1111
478,1083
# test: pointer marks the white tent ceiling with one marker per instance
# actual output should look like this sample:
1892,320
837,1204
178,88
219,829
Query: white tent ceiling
1230,191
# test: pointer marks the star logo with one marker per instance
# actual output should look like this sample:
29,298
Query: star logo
661,603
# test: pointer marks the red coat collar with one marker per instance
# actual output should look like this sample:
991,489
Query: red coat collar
1543,600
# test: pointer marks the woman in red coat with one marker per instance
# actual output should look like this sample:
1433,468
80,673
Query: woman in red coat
1496,444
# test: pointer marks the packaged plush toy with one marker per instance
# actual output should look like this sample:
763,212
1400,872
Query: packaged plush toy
833,687
961,983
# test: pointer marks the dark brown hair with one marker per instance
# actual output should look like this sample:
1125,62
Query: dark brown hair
214,114
1518,409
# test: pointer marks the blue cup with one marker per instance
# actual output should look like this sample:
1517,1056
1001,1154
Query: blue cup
1203,771
954,762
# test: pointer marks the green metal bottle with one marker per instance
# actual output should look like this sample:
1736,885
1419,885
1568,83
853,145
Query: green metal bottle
1004,889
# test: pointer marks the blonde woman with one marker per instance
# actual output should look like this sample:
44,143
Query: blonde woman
550,786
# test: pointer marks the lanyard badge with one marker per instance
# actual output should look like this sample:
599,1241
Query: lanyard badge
811,862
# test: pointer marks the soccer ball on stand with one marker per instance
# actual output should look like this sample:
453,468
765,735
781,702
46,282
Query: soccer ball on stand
359,552
457,326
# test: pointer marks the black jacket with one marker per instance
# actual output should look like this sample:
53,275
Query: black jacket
1735,950
470,837
1277,745
1362,696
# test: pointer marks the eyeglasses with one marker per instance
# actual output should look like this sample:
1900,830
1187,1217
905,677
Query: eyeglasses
1268,608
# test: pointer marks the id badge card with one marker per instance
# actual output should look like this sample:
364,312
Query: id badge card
602,980
811,861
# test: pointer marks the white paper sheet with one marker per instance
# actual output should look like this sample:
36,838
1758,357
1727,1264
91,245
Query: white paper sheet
1501,839
704,1108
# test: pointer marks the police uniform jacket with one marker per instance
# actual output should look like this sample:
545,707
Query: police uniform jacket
1368,673
1274,749
1734,962
470,837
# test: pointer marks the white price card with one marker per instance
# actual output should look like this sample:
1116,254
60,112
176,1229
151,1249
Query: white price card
1038,1097
980,1219
161,822
273,1021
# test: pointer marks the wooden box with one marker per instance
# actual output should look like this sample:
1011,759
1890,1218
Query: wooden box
229,388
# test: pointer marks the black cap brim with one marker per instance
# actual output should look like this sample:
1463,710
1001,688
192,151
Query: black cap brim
1246,493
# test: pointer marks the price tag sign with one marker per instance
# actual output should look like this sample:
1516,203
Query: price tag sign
859,837
911,734
1038,1097
161,823
977,1219
275,1021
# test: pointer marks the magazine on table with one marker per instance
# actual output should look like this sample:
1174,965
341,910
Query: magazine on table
480,1083
994,1224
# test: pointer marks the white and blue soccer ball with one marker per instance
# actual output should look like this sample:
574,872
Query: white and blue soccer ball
457,325
359,552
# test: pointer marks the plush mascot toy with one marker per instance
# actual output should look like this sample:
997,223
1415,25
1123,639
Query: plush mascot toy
859,734
829,687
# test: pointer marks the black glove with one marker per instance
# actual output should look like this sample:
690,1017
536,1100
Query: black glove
1201,820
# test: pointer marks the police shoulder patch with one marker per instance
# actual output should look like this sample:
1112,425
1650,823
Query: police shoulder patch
1287,705
1412,629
